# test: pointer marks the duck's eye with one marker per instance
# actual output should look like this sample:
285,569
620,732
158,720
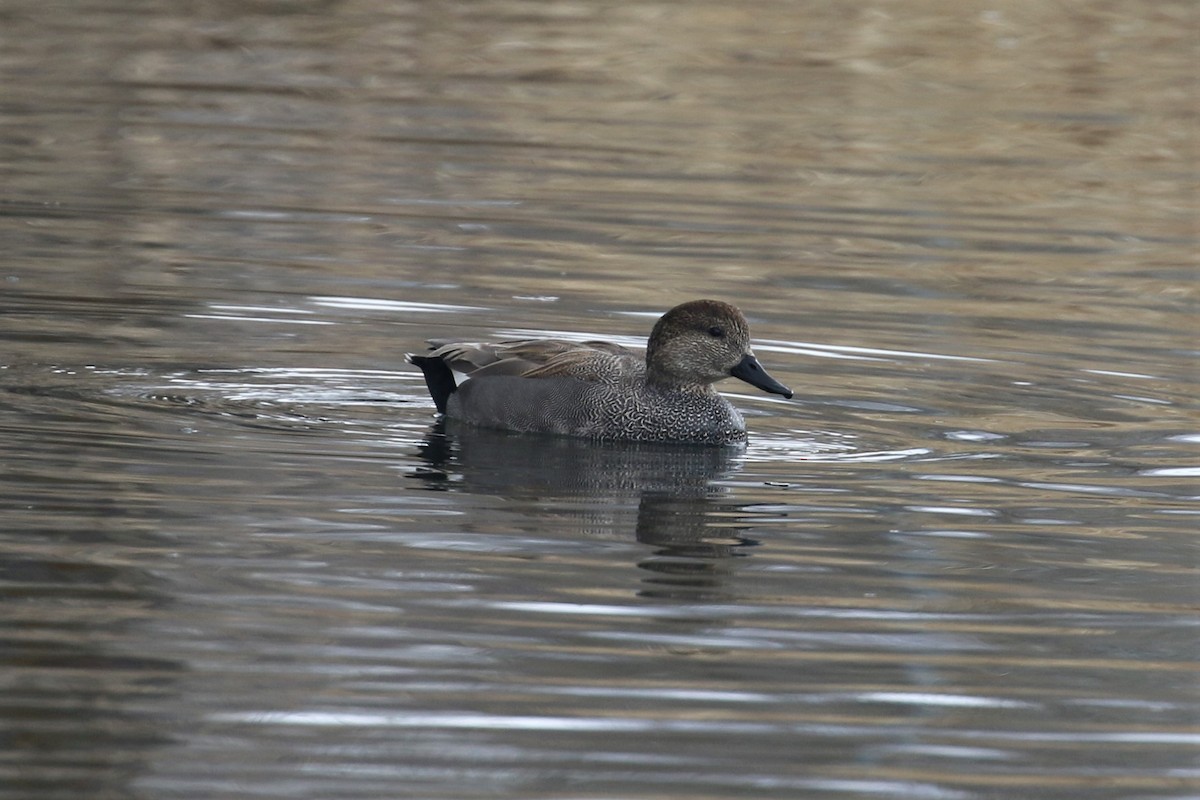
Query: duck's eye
717,332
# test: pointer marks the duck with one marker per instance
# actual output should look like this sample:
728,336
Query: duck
602,390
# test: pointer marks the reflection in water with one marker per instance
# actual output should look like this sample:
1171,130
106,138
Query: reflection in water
534,466
667,496
694,542
966,231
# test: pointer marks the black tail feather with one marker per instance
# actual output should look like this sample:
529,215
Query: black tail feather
438,377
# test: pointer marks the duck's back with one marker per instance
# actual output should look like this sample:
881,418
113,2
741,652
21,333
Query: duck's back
594,361
538,385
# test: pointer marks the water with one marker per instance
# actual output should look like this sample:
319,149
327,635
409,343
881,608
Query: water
241,559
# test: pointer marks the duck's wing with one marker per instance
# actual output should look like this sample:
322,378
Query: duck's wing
537,358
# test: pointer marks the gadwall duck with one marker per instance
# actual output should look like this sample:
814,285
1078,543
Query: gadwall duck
602,390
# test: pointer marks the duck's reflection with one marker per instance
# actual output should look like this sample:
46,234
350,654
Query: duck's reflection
693,546
671,494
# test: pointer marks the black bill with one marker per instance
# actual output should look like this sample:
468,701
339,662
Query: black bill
749,370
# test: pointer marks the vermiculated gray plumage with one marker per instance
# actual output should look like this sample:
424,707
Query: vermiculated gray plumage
604,391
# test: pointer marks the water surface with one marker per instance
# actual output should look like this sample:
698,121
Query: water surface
241,558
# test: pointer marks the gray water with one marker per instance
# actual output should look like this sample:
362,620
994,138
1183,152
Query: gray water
240,558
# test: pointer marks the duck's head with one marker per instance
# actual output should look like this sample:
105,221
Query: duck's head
701,342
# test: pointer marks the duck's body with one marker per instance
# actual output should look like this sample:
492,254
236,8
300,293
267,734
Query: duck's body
602,390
